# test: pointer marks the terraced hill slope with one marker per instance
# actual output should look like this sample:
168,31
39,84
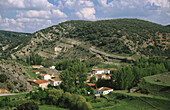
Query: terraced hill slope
75,39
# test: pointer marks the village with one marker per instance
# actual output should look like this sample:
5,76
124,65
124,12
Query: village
52,79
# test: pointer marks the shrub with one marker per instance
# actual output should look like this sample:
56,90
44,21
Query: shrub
29,105
3,78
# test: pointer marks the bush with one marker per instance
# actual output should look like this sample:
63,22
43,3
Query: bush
3,78
29,105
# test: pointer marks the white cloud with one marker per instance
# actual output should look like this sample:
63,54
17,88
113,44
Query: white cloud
86,13
161,3
10,24
26,4
58,14
86,3
76,4
32,15
29,15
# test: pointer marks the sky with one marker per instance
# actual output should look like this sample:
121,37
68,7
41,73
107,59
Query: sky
32,15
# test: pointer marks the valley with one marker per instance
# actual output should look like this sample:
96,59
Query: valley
85,65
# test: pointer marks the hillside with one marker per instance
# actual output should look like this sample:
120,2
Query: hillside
14,76
12,41
121,38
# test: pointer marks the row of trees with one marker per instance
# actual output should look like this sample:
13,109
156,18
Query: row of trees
35,59
128,77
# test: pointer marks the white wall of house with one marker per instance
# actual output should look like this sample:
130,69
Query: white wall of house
47,77
99,72
102,71
103,92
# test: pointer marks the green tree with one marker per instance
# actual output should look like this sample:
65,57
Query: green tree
74,77
54,95
93,79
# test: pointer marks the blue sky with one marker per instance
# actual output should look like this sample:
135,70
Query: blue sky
33,15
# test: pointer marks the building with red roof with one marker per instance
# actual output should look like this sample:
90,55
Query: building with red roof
56,81
103,90
44,76
41,83
102,71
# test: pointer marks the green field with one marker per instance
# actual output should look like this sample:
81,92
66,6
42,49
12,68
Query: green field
122,100
158,85
50,107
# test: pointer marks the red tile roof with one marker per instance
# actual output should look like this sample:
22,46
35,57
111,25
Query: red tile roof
36,71
42,74
103,89
90,84
112,69
31,80
34,66
4,91
96,69
41,81
100,74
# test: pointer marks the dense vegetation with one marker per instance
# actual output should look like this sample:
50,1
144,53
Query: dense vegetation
121,35
34,59
62,99
128,77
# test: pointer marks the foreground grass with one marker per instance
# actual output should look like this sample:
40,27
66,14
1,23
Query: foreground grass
137,101
122,100
50,107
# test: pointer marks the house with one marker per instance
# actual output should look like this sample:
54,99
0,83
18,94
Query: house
100,76
99,71
51,74
44,76
37,66
52,67
103,90
41,83
102,71
55,82
4,91
36,72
